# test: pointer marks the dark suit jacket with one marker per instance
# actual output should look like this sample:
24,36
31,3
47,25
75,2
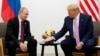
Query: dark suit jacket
13,30
85,28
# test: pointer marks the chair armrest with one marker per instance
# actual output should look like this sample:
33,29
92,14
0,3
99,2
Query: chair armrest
1,47
98,40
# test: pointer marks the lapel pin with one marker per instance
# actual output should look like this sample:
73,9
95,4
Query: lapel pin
25,22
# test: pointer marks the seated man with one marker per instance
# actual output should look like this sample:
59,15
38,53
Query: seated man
80,27
18,34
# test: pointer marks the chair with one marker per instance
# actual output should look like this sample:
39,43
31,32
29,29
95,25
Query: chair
96,48
97,35
3,50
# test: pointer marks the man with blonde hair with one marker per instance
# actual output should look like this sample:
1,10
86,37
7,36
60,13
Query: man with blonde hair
18,34
80,27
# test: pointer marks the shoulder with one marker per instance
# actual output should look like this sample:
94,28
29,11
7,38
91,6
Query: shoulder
67,18
86,18
27,21
14,19
84,15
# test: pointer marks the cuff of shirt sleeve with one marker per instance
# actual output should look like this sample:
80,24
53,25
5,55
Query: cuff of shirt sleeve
53,38
26,42
82,43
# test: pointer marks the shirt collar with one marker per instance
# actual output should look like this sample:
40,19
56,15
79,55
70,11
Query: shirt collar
77,17
19,19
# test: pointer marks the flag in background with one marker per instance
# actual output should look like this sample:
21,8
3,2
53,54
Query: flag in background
99,7
90,7
10,9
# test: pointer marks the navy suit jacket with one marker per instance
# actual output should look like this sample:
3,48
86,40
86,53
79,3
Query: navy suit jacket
85,28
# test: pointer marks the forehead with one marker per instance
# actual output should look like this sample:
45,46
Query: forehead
25,10
71,10
72,6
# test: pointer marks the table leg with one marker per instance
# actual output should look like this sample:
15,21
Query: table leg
56,51
42,51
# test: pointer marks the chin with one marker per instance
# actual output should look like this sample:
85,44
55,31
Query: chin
71,17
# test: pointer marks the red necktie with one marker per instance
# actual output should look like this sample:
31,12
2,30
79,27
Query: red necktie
76,31
22,32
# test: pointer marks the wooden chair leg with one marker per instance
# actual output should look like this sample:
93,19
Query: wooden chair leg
1,48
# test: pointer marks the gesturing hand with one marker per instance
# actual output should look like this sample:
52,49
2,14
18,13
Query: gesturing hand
49,39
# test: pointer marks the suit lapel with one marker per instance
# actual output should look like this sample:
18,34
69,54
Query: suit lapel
25,25
80,22
71,24
17,23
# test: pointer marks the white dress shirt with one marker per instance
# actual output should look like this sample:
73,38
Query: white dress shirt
19,28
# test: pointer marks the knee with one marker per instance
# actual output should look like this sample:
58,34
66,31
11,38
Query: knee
33,42
88,46
64,44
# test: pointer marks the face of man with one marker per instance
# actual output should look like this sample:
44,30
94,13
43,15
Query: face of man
72,13
24,14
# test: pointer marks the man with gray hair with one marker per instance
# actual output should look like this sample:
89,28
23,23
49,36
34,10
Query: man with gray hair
18,34
80,27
